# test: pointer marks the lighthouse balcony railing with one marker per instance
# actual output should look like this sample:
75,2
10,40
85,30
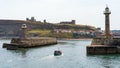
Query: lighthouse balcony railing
107,12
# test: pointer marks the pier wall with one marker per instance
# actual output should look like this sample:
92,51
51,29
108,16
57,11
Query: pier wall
104,46
29,42
100,49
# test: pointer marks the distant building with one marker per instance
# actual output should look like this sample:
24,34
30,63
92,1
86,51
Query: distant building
99,33
99,29
116,33
83,34
44,21
67,22
62,30
32,19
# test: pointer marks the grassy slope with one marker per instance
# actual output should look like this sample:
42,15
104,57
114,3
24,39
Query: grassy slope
48,32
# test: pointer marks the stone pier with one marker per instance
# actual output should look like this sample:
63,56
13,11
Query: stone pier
104,46
17,43
28,42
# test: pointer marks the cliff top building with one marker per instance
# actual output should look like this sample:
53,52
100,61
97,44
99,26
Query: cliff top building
67,22
32,19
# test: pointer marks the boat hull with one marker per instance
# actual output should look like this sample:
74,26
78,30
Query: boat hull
57,53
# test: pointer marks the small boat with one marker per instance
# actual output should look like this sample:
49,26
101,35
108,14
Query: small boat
57,52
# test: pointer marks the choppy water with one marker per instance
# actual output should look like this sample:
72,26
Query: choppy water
74,56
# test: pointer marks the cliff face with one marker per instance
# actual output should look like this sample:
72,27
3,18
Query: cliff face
13,27
10,27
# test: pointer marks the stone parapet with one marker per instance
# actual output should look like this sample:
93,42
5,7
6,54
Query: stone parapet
104,46
106,41
103,49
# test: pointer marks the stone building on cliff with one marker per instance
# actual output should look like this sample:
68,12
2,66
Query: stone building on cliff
68,22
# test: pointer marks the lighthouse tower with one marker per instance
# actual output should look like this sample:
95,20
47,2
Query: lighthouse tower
107,45
107,22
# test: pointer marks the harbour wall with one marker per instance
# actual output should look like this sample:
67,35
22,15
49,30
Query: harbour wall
29,42
101,49
104,46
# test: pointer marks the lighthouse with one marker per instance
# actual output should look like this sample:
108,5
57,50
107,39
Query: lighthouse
107,12
107,45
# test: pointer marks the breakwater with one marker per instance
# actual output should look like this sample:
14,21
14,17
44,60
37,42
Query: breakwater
102,49
29,42
105,41
104,46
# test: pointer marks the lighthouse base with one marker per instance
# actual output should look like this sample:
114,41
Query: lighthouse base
104,46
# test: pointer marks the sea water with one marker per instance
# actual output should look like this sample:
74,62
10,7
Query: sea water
73,56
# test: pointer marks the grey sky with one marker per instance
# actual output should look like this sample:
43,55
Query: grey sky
87,12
